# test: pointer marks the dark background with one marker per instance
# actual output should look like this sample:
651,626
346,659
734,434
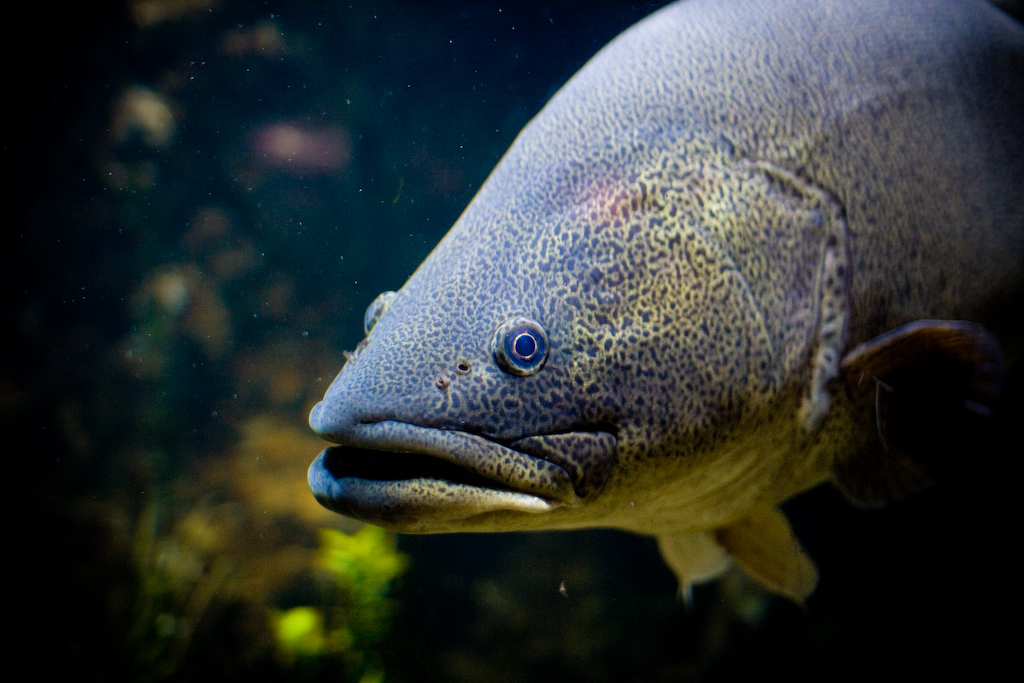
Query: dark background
121,414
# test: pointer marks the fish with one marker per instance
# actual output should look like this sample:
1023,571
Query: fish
749,248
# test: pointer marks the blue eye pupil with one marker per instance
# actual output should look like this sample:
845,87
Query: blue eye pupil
520,346
525,345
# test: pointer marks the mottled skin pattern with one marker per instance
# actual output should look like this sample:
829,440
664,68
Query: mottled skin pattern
724,200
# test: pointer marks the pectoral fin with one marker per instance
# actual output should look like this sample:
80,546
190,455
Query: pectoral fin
765,547
921,394
762,544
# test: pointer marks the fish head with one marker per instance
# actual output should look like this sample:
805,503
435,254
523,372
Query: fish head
463,407
551,355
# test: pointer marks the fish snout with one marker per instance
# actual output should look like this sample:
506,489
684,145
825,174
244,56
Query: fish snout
319,420
337,415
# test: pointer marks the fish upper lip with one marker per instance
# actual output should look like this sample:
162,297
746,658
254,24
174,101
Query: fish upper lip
455,456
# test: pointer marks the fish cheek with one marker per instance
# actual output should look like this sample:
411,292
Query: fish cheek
649,318
588,457
694,295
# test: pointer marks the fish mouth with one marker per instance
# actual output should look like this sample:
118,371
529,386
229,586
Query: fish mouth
411,478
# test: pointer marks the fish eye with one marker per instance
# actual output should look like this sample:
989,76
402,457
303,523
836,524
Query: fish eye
376,309
520,346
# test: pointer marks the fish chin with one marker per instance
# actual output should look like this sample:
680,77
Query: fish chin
419,479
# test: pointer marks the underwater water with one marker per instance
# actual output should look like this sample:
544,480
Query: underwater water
206,196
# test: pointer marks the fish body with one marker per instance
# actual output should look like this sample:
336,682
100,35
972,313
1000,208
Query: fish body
749,247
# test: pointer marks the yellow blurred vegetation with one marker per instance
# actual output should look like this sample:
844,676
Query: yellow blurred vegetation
266,470
244,530
151,12
360,567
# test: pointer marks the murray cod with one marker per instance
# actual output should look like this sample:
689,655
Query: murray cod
750,247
